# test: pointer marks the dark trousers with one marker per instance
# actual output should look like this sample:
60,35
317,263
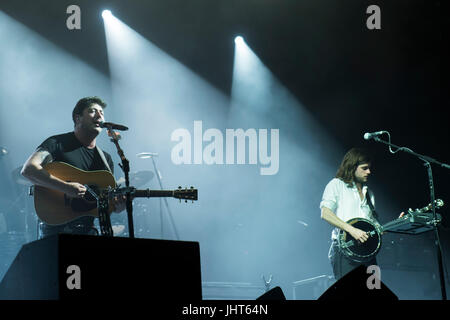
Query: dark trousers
72,228
343,265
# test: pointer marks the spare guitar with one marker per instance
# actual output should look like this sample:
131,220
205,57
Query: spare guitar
363,252
54,207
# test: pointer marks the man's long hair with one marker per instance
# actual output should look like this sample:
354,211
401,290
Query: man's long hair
352,159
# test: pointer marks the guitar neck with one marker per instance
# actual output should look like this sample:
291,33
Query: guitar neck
395,224
153,193
186,194
389,226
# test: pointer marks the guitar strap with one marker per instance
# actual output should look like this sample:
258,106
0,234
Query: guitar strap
103,215
102,155
372,208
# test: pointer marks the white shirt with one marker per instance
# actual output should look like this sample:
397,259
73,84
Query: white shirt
345,202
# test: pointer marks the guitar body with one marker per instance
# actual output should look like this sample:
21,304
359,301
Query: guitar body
55,208
360,252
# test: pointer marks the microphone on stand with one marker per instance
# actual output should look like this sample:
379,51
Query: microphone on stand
111,125
370,135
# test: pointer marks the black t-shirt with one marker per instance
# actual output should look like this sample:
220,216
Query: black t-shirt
67,148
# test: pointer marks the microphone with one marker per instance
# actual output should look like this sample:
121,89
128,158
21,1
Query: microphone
110,125
370,135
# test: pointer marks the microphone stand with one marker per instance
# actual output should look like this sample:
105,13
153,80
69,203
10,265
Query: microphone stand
145,155
267,283
165,201
427,164
126,170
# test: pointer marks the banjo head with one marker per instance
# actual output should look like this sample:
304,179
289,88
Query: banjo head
361,252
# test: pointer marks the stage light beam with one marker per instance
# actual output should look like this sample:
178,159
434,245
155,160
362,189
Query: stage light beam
239,40
106,14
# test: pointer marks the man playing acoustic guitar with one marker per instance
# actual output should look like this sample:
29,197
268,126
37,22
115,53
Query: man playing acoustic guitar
346,197
77,148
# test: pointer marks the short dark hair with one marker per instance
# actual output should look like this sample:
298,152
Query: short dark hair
352,159
84,103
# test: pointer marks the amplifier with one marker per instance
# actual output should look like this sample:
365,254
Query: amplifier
68,266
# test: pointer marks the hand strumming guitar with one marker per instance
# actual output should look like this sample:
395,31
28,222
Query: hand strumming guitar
77,190
74,189
358,234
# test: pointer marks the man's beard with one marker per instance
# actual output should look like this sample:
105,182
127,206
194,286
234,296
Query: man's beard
359,180
90,130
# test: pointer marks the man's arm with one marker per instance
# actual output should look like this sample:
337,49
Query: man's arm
33,171
331,218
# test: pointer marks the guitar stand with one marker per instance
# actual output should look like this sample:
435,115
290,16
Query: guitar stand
267,283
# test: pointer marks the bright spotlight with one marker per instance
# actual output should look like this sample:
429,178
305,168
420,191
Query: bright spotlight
239,40
106,14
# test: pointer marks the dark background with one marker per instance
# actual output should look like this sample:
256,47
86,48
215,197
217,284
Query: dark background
351,79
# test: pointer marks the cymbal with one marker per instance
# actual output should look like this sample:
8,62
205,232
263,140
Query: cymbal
3,151
138,179
18,178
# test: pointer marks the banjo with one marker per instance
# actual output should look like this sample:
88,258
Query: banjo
414,222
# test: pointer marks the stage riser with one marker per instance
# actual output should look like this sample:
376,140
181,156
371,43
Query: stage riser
108,268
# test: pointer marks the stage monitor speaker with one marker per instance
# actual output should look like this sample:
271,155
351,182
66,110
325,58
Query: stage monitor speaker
354,286
67,266
273,294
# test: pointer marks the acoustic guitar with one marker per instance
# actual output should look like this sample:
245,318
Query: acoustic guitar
55,207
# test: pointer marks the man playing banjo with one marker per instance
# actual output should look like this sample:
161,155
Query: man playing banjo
347,197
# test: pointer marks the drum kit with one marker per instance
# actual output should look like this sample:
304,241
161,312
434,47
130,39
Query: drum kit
19,221
14,216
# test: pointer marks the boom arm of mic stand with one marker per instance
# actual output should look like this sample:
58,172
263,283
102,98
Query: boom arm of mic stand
165,201
126,170
420,156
